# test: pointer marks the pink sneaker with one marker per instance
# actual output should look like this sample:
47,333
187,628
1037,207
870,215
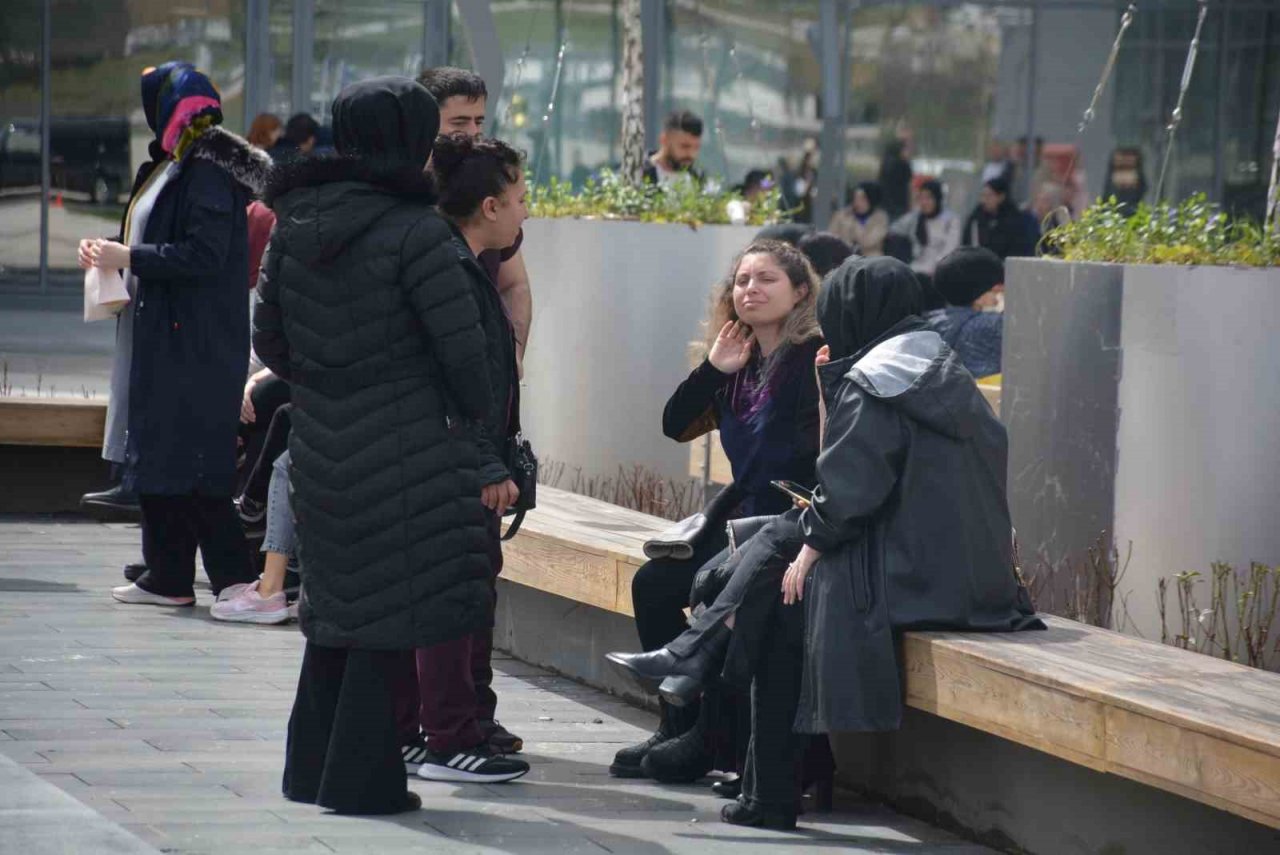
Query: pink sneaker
243,604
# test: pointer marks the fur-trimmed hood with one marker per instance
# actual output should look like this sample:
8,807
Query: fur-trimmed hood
248,165
323,203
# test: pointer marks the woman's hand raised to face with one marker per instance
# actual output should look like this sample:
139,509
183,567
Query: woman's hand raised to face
732,349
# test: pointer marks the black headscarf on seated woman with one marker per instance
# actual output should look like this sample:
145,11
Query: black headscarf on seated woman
866,301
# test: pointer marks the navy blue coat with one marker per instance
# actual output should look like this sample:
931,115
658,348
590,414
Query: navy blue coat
191,322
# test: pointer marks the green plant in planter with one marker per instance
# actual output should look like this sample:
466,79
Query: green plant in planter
1193,232
611,198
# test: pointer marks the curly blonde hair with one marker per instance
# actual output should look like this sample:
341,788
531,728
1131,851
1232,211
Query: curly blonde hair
800,326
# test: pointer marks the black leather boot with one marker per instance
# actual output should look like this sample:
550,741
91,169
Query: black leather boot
684,759
649,670
627,762
114,505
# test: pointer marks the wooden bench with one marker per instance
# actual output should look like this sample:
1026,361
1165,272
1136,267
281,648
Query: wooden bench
1200,727
56,422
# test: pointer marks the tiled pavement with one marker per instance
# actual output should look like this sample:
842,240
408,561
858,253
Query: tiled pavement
171,727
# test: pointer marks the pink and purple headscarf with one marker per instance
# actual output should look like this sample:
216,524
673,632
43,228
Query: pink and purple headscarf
173,96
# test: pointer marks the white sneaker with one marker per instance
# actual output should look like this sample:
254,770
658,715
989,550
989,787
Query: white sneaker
243,604
132,594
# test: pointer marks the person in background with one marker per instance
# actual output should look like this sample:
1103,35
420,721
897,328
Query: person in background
971,280
463,99
448,696
755,388
678,149
932,231
998,164
365,311
895,179
864,223
265,131
299,139
1126,180
185,249
754,186
999,225
825,251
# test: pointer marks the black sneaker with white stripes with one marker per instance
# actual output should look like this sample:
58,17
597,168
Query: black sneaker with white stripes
478,765
414,754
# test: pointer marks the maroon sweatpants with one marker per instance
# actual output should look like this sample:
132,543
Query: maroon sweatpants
447,690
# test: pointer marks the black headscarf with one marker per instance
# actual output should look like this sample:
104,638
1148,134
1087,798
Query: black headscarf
865,301
934,189
392,118
874,194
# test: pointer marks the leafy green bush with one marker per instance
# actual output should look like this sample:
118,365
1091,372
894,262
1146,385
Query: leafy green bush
611,198
1193,232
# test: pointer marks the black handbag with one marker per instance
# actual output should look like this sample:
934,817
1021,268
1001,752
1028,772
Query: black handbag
524,472
680,541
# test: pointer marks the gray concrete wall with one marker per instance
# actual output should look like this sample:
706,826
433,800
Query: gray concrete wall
615,307
1059,401
1016,798
1199,429
1072,45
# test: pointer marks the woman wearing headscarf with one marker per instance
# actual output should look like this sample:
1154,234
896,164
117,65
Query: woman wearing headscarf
185,252
932,229
365,310
997,224
908,530
863,223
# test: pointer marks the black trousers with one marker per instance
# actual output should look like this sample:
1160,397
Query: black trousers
343,752
173,527
772,778
274,444
267,397
660,591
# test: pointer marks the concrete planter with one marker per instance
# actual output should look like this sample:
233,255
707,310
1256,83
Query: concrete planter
615,307
1143,401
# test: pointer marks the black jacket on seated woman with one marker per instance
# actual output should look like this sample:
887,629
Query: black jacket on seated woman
763,401
909,529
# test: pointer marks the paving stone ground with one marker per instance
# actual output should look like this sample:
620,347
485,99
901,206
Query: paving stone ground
170,728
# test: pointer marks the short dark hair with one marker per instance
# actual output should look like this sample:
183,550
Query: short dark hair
684,120
825,251
445,82
300,128
468,170
967,273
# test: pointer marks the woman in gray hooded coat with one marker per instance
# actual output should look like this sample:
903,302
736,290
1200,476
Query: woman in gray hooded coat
908,530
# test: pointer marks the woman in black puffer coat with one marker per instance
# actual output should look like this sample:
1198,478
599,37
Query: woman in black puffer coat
365,310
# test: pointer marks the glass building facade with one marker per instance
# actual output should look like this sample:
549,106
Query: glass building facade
950,77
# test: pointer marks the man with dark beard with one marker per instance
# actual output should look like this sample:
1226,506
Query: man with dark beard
678,149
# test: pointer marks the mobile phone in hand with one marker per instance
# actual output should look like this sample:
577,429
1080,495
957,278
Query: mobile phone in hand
801,496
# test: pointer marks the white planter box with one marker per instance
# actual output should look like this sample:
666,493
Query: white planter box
1144,401
615,307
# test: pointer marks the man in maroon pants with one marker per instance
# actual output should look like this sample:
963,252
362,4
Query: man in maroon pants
446,703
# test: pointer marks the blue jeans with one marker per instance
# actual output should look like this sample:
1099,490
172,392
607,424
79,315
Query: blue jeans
282,535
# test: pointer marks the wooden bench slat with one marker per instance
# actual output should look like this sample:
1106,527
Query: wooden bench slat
57,422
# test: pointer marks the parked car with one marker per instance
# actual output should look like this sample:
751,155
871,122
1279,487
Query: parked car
87,155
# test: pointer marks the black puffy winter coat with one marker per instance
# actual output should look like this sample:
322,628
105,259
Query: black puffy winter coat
911,519
191,322
366,311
